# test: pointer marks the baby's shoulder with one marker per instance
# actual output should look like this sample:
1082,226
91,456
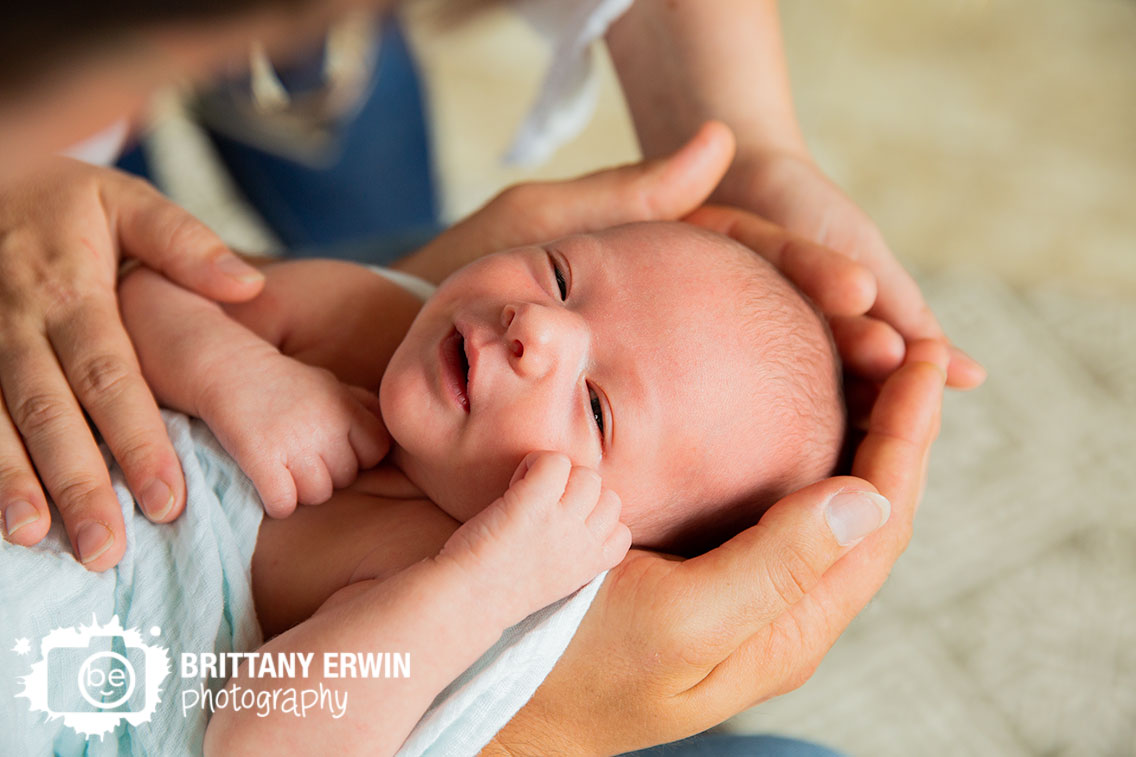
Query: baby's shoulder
360,317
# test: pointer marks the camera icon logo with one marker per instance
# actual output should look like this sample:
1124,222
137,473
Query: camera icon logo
97,676
117,684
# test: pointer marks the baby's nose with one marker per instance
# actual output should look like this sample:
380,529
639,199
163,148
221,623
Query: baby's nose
541,339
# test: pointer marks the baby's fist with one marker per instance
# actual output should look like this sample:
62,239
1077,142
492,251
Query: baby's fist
297,432
554,529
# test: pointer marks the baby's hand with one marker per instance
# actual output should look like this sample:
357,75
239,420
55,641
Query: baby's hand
295,430
554,530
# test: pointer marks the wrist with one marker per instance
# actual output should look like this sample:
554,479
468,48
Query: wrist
758,162
483,580
219,373
531,735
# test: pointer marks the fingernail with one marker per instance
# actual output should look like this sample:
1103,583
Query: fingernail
19,514
235,268
93,539
157,499
852,515
975,368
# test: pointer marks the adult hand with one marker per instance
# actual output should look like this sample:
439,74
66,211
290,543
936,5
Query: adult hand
672,647
788,189
63,350
843,289
665,188
682,63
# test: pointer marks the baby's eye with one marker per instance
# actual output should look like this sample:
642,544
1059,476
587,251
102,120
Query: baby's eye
561,282
597,410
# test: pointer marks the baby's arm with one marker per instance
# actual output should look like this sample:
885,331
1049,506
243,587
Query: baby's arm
551,532
294,428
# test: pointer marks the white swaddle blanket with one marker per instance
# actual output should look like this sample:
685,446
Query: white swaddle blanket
469,711
188,580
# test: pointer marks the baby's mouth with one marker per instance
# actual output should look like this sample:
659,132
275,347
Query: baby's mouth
455,364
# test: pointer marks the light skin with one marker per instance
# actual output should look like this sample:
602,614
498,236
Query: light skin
600,346
623,310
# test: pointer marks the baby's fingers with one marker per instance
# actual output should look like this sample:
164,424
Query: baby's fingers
341,465
274,485
582,491
605,516
540,478
313,481
367,435
616,546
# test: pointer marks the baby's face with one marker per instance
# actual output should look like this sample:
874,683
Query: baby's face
620,349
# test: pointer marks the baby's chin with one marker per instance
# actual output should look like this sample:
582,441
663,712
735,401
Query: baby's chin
459,496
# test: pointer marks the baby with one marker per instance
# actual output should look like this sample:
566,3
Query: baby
544,409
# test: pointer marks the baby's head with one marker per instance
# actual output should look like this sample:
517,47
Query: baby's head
677,363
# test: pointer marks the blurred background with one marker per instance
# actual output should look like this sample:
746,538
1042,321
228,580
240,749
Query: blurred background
994,142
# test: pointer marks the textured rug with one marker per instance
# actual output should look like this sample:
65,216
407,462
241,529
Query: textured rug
1009,625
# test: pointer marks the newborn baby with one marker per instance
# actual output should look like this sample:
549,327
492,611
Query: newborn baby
547,406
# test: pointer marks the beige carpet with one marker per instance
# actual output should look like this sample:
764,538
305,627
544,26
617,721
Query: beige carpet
1008,626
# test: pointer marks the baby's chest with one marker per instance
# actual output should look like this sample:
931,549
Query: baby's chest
359,534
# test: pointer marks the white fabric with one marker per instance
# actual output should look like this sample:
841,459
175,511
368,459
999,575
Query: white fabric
189,579
567,97
102,148
468,712
420,288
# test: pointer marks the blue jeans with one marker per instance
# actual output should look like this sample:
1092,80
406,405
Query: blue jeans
731,745
375,200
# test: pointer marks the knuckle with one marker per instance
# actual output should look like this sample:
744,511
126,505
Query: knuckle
18,483
585,475
792,574
101,375
138,454
75,494
518,196
181,230
38,412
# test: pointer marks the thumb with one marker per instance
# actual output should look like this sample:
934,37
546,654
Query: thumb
170,240
368,435
784,556
665,188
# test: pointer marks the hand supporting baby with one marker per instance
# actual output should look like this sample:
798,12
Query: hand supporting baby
554,529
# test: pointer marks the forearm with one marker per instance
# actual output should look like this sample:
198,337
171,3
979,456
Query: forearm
432,612
683,62
184,342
